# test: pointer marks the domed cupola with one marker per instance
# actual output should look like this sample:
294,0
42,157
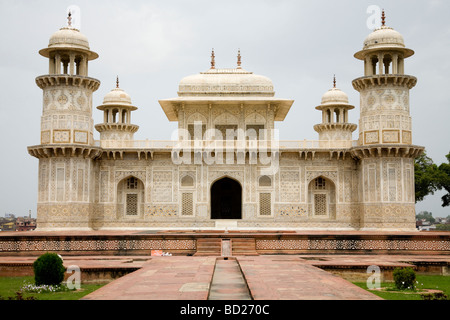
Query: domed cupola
69,52
117,108
226,82
384,51
335,109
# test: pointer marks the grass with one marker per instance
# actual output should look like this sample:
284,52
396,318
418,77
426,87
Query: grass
431,282
10,285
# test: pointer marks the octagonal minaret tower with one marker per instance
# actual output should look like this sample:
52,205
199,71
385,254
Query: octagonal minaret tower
117,108
384,89
67,109
335,125
385,151
67,150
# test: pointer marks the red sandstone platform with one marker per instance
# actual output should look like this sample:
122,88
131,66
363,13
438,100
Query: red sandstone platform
209,242
274,277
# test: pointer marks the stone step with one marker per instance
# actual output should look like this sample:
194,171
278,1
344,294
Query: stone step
209,247
213,247
244,247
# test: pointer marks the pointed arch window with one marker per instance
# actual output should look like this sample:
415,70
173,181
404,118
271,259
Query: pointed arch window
130,197
322,198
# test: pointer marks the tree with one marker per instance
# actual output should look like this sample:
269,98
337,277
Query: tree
425,215
444,181
426,175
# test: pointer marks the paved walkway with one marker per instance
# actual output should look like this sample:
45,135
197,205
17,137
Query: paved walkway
268,277
287,278
271,277
162,278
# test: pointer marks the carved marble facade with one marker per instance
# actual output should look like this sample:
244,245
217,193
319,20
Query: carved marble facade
226,120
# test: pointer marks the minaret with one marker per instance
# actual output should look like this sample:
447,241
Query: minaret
67,150
385,152
335,125
384,89
117,108
67,109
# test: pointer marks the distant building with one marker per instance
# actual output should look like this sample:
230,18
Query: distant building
25,224
8,226
427,228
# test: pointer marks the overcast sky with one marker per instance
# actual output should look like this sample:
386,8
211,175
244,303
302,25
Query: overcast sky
152,45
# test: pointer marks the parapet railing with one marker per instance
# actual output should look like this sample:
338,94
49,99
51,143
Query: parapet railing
225,144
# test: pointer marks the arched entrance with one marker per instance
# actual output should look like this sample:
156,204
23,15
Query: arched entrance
226,199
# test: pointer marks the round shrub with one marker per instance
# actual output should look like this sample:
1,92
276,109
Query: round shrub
404,278
48,270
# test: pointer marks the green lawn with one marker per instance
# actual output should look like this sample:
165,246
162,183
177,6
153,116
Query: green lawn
423,282
10,285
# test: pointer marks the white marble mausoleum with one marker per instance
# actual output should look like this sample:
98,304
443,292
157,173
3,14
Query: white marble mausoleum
226,168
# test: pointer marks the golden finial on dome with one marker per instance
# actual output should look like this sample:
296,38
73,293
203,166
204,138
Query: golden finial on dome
334,81
213,60
383,18
117,82
239,59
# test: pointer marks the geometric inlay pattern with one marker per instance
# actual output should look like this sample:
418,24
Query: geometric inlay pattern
346,244
96,245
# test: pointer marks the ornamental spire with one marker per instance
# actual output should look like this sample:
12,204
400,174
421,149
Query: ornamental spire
117,82
69,19
383,19
239,62
334,81
213,60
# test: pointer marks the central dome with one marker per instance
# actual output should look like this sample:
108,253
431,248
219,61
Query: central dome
219,82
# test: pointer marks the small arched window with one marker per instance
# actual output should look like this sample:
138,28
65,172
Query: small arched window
132,183
187,181
265,181
320,184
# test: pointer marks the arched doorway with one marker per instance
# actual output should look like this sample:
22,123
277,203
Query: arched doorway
226,199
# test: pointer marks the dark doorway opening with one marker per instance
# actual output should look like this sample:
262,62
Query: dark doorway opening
226,199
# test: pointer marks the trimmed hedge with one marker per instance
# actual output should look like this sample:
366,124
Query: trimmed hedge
48,270
405,278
